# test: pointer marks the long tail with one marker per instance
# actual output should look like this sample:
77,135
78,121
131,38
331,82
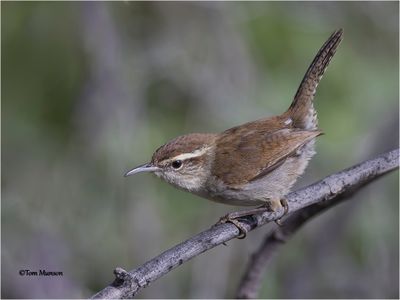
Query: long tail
302,110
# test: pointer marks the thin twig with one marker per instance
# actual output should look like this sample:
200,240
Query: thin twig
127,284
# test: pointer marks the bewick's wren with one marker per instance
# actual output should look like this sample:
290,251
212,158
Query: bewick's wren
252,164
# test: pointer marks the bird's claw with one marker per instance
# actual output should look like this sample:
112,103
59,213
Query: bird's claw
285,206
234,221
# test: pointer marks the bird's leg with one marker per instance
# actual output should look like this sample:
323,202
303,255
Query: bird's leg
270,205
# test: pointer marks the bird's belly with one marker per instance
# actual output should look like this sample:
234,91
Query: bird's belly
236,198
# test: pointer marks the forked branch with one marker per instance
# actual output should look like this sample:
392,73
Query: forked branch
328,191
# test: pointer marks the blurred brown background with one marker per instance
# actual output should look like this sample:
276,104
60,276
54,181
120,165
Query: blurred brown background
91,89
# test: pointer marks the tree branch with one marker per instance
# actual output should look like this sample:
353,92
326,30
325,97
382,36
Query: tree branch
251,281
127,284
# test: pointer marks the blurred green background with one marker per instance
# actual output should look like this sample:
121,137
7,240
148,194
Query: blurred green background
90,89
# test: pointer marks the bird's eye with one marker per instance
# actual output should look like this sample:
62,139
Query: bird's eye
176,164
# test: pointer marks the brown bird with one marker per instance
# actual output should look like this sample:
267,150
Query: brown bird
251,164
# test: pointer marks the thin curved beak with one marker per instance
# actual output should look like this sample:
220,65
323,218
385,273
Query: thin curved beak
143,168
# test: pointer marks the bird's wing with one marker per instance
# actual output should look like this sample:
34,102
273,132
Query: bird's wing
248,156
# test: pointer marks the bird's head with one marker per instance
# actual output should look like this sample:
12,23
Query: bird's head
184,162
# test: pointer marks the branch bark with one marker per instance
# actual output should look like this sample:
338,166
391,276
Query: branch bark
329,190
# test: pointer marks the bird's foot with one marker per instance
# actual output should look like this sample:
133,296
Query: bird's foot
270,206
283,203
232,218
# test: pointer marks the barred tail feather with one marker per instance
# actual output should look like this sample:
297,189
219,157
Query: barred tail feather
302,110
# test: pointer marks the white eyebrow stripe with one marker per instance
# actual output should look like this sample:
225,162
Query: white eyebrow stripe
184,156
